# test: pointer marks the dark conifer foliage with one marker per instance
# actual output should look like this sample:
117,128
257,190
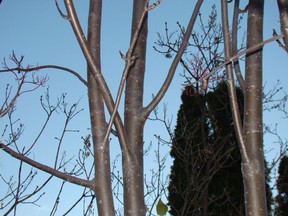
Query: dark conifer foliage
206,177
188,150
206,174
226,187
281,199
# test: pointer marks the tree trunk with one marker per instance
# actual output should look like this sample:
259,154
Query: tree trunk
134,122
283,10
102,181
253,164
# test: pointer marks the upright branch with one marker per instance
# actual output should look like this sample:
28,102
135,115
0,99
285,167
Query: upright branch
283,12
129,62
234,49
175,61
197,64
97,75
230,80
250,135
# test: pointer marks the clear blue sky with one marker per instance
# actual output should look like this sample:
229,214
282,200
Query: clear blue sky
35,29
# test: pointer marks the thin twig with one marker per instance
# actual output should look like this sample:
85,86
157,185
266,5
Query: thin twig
12,102
235,57
66,17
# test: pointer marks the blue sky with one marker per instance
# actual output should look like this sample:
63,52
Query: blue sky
36,30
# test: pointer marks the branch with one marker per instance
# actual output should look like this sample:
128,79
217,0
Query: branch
45,67
61,175
283,6
234,45
28,196
230,81
98,76
236,56
130,60
60,12
12,102
175,62
89,57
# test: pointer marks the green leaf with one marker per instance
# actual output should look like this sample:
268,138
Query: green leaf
161,208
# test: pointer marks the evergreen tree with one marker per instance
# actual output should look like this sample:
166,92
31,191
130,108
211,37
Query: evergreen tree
226,188
281,199
206,177
187,173
206,174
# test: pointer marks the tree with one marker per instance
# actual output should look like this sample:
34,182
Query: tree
129,127
282,187
228,196
206,174
250,143
187,148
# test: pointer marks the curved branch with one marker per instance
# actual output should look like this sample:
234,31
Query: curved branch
61,175
175,62
60,12
95,72
234,45
45,67
230,81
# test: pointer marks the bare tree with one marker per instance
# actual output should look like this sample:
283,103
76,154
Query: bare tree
129,129
249,132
